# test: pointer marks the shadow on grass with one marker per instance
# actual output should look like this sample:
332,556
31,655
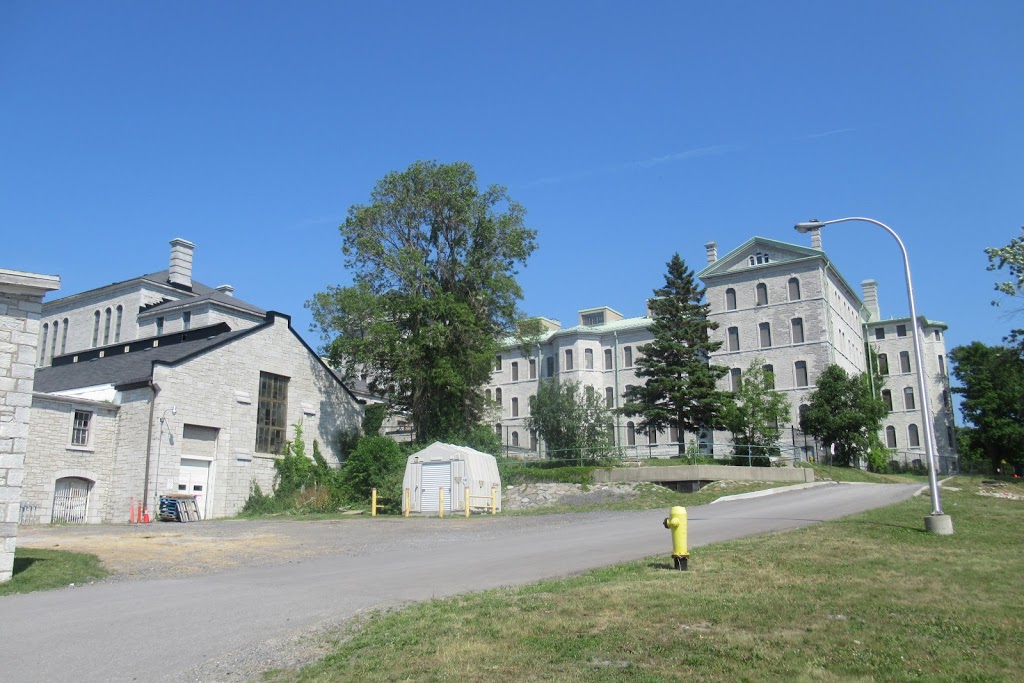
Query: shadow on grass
23,563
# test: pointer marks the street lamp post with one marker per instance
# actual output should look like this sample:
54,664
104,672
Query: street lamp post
937,522
173,410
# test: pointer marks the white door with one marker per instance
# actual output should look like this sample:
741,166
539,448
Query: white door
194,479
436,476
71,501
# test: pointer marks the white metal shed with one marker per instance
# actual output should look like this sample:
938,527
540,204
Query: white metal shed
453,469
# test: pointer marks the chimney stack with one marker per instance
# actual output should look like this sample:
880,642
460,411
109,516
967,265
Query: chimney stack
815,238
870,288
180,274
712,249
226,289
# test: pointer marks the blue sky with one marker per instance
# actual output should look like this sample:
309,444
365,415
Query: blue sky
629,131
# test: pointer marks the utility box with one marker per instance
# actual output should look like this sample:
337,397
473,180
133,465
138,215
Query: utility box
453,469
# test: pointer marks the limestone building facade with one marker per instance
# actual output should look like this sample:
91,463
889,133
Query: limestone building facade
161,384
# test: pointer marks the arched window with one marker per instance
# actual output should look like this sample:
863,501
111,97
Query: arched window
734,338
883,364
487,394
908,398
887,398
735,378
890,437
64,337
588,359
607,359
730,299
912,437
589,391
800,368
106,326
797,329
762,294
794,289
515,407
627,356
769,376
904,361
551,366
630,434
42,347
96,328
497,429
53,342
764,331
533,368
533,439
568,360
609,397
497,397
515,438
515,371
117,323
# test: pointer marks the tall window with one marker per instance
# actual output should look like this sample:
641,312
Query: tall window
801,373
96,328
80,428
119,311
890,437
652,437
762,294
883,364
769,376
901,330
53,342
879,333
630,434
515,371
515,438
904,361
487,395
497,362
568,359
515,407
730,299
64,337
908,398
186,320
627,356
551,366
533,439
159,326
764,331
588,359
106,326
797,326
887,398
609,397
42,347
607,359
497,399
794,289
497,430
271,413
912,436
734,338
533,368
735,378
589,391
942,365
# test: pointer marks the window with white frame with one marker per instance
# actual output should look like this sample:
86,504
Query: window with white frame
913,438
568,359
908,398
588,359
515,438
607,359
890,437
762,294
730,299
80,428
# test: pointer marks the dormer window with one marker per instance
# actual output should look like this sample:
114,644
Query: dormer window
758,258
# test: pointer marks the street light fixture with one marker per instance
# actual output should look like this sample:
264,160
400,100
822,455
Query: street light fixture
173,410
936,522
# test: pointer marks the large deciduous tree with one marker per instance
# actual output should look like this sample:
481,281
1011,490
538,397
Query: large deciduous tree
573,421
992,386
434,261
1010,257
844,412
681,387
756,415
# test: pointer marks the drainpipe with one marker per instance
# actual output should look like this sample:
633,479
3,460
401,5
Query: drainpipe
149,440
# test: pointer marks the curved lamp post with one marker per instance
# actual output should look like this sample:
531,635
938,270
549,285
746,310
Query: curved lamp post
936,522
173,410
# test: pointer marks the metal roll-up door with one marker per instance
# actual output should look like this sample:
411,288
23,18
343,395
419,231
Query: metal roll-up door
436,476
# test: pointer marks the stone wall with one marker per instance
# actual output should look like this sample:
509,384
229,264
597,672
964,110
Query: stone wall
21,297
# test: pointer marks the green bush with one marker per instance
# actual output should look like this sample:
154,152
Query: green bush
377,462
516,473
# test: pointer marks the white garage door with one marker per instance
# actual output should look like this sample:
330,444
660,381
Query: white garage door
194,479
436,476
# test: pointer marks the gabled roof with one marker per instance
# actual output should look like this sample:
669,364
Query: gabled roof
789,252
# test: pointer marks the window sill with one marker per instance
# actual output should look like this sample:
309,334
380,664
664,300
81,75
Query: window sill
80,449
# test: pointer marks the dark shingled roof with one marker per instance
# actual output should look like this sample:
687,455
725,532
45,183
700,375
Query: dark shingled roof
201,291
128,368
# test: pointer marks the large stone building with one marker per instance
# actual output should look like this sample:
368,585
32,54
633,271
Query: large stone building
162,384
783,303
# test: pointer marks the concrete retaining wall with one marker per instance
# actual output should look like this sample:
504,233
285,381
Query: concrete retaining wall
704,473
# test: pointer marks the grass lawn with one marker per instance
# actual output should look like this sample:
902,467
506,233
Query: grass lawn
868,598
825,472
41,570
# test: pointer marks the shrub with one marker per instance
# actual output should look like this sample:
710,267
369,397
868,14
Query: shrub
377,462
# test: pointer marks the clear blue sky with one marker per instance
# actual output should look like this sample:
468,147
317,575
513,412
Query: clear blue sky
628,130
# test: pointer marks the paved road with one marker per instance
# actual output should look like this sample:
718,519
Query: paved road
232,625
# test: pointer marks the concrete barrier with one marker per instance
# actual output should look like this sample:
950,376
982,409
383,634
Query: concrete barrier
703,473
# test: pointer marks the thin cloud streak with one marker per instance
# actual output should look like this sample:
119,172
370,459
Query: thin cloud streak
827,133
712,150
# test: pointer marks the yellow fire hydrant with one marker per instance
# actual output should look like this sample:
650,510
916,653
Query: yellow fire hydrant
676,521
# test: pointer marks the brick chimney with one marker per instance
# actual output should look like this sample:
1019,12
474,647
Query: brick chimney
712,249
180,274
870,288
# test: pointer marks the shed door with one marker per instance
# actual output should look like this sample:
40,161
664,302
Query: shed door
436,475
194,479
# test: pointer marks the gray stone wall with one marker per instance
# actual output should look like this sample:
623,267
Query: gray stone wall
21,296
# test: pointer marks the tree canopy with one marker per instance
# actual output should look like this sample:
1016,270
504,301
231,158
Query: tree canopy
573,421
992,386
1010,257
844,412
680,388
756,415
434,261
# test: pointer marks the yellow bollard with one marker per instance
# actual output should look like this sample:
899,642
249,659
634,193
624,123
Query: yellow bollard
440,501
467,501
676,521
373,502
407,502
494,500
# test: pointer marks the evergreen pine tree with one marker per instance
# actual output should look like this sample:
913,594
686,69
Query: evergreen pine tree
681,386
